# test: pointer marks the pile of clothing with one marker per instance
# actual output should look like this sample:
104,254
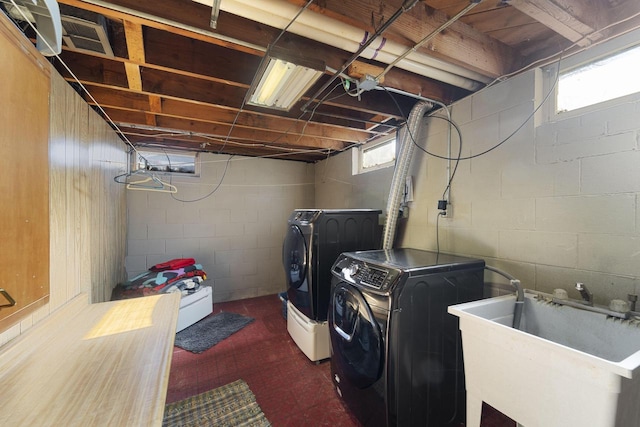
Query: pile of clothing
177,275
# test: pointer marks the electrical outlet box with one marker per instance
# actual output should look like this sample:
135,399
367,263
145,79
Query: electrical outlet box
367,83
445,208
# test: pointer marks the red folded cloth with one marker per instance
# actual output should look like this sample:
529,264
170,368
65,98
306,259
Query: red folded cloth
173,264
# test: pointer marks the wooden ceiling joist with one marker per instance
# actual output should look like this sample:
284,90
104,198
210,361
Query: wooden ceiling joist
557,18
175,81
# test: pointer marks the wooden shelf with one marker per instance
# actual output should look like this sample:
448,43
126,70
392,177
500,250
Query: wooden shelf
92,364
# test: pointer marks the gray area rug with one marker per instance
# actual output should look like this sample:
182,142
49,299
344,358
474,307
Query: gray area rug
210,331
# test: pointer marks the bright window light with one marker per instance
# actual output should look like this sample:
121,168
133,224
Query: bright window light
156,161
374,155
379,155
602,80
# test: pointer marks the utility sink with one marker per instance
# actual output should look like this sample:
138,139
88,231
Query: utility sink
564,367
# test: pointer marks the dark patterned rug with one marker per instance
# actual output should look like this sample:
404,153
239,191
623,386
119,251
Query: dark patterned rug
210,331
227,406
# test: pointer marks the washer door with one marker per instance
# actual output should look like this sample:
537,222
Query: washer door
356,339
294,257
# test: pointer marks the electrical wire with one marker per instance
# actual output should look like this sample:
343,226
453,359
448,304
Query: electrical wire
266,55
548,59
507,138
77,80
438,232
224,173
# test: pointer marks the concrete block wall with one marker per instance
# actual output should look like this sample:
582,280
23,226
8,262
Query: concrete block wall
554,205
236,233
337,188
558,203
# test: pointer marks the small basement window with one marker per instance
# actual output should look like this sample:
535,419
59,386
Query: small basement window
599,81
168,162
374,155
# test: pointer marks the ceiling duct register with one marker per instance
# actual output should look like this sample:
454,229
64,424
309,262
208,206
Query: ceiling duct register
83,30
45,16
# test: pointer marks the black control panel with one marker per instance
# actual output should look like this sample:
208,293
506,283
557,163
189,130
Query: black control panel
363,274
371,276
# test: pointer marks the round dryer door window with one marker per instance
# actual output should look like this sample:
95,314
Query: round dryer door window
356,338
294,257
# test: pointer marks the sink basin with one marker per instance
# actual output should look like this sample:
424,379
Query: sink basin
563,367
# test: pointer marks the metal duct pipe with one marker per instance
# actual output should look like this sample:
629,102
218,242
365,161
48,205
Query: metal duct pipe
278,13
411,130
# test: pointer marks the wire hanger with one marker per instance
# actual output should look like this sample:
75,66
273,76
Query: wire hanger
142,179
152,183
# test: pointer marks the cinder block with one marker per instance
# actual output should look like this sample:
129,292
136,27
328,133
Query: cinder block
146,247
499,214
586,148
248,241
526,179
195,231
186,213
248,215
608,253
550,277
137,231
503,96
214,215
212,244
165,231
589,130
229,257
587,214
615,173
473,241
187,247
559,249
229,230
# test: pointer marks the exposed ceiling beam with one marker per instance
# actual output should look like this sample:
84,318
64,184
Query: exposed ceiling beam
176,108
557,18
460,44
135,49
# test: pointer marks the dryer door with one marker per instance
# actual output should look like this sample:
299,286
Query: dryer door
294,257
356,340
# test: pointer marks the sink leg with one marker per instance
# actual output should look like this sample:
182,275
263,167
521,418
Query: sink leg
474,411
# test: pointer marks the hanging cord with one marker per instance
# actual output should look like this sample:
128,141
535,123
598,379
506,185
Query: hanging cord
507,138
406,6
232,156
266,55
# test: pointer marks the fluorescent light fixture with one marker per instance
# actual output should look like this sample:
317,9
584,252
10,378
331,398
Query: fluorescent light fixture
283,79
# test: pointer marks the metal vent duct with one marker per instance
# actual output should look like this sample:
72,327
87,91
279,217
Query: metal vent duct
84,30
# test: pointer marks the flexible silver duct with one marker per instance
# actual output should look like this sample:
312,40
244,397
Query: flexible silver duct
411,130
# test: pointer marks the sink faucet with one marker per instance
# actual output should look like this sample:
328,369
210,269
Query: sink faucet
587,296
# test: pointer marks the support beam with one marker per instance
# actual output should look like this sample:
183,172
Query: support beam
558,19
135,48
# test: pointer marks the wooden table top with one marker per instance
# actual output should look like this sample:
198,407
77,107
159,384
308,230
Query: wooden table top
103,364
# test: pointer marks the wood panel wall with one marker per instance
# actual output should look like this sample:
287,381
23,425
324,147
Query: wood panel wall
24,178
87,208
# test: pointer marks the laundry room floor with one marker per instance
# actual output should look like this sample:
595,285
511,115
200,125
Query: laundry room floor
290,389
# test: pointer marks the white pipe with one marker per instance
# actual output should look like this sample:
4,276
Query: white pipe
410,131
279,13
175,24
